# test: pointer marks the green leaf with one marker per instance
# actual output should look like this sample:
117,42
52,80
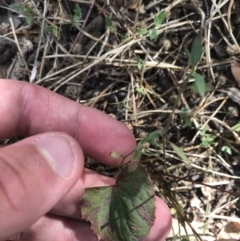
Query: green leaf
200,84
236,127
227,149
159,18
52,29
185,116
196,51
29,19
142,31
206,138
28,10
76,19
137,155
77,15
139,63
108,22
141,90
49,29
17,7
180,153
187,120
95,205
124,211
77,12
153,34
151,137
193,87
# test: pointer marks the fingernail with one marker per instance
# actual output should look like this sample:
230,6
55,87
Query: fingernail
58,152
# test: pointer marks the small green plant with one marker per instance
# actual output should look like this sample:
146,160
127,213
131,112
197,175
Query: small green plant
199,86
108,22
193,58
206,138
112,29
77,16
227,149
25,10
157,22
150,139
140,89
52,29
139,63
185,117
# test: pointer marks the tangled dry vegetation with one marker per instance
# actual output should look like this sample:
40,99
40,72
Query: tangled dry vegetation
118,56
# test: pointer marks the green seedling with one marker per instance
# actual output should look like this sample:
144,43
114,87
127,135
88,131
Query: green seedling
75,19
157,22
143,31
52,29
159,18
186,118
227,149
139,63
199,86
196,52
150,139
153,34
108,22
140,89
112,29
25,10
206,138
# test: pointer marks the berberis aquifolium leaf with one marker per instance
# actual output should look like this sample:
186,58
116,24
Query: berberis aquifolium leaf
124,211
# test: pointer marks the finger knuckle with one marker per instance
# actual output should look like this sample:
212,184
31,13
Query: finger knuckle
12,187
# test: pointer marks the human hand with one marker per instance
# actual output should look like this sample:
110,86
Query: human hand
40,196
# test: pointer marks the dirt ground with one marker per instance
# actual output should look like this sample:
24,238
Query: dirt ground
130,59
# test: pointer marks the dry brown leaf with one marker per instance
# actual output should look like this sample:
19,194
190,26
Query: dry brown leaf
235,68
231,232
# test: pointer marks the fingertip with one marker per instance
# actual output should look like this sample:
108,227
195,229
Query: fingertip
105,136
33,181
162,223
61,152
30,109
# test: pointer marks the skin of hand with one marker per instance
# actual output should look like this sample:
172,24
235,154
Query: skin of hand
42,176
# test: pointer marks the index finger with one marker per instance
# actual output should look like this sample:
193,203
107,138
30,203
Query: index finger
28,109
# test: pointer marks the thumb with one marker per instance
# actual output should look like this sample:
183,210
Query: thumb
34,175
